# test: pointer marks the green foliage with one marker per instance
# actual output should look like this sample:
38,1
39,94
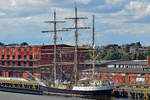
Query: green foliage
125,56
126,47
138,44
2,44
88,56
112,55
148,51
111,52
101,53
24,44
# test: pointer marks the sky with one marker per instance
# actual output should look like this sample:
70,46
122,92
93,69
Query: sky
116,21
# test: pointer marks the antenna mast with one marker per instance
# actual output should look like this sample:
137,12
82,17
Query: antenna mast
54,22
76,28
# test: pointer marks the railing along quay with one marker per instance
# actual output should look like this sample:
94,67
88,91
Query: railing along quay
132,91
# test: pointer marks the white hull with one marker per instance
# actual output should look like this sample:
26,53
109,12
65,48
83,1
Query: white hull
93,88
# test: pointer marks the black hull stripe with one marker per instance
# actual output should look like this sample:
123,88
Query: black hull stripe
75,92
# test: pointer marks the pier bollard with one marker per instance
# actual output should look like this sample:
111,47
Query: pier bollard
112,93
145,95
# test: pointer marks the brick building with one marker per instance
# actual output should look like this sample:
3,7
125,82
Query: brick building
65,54
122,72
15,60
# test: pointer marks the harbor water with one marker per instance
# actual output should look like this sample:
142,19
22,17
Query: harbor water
16,96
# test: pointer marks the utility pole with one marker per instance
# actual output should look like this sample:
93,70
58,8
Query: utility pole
76,28
54,22
93,44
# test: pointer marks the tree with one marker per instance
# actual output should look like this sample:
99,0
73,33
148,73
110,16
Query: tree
126,48
138,44
148,51
133,56
125,56
140,56
2,44
24,44
112,55
101,53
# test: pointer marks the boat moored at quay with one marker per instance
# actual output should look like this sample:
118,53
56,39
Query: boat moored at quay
76,86
20,85
84,88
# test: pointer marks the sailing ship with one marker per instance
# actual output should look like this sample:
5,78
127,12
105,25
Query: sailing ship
88,87
77,87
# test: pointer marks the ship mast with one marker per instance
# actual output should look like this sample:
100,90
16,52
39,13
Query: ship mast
54,22
93,47
76,28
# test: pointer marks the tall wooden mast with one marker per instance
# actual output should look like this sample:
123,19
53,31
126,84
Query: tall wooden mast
55,40
93,47
76,28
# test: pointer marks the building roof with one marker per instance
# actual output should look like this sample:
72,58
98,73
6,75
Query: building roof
144,67
131,62
120,70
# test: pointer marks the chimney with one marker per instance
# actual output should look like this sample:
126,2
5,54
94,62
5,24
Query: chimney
148,59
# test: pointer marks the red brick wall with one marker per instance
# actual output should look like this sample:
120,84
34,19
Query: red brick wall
19,51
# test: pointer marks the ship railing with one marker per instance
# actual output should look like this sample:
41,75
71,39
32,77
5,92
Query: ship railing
4,84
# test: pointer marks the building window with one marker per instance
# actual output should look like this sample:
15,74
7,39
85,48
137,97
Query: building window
36,56
25,50
13,57
2,50
31,64
2,57
8,56
25,57
19,56
13,63
19,63
19,50
3,63
7,50
13,50
31,50
8,63
31,57
19,74
70,55
25,63
65,55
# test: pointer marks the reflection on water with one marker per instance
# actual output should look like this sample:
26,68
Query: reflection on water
16,96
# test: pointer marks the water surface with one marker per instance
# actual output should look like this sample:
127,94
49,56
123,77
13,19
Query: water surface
16,96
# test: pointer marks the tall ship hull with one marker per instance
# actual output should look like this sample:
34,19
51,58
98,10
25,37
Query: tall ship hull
92,88
78,92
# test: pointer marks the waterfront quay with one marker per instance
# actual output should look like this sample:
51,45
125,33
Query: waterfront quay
132,91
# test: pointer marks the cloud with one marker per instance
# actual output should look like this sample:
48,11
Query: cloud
114,2
83,1
140,9
132,28
15,5
112,17
2,14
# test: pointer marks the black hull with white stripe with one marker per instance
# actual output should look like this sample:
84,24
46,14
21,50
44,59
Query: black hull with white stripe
69,92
